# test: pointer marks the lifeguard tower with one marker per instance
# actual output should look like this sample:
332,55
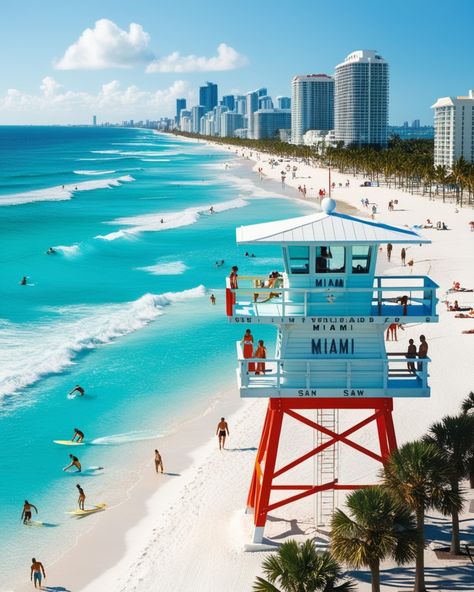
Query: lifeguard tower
331,312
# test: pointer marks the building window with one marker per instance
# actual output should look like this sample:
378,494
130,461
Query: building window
298,260
330,259
361,259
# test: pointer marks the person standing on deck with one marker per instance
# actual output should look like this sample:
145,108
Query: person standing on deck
411,353
221,432
247,343
260,352
403,255
422,351
389,251
234,278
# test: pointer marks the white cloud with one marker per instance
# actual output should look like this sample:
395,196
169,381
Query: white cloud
107,46
54,104
227,58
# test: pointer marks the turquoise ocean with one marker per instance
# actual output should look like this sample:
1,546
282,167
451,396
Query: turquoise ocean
122,308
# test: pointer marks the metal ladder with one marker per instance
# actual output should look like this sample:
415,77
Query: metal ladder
326,466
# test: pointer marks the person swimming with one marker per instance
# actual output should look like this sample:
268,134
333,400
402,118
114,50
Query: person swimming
51,251
77,389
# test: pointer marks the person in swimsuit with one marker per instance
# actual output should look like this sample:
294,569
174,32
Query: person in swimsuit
77,389
37,572
26,514
24,281
74,463
77,434
260,352
212,299
247,342
411,353
158,462
221,432
233,277
82,497
51,251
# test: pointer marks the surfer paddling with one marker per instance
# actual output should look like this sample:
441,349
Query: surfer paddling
77,434
82,497
221,432
26,514
74,463
77,389
158,462
37,573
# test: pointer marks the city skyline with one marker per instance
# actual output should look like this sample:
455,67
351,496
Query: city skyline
121,62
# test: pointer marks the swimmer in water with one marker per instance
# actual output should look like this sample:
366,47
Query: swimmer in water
24,281
74,463
50,251
77,434
77,389
26,514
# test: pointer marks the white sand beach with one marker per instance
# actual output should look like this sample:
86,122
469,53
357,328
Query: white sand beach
188,534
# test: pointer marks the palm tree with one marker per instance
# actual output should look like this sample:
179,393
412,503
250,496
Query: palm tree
380,527
301,568
455,436
418,474
468,403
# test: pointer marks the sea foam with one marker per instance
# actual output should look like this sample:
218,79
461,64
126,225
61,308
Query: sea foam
94,172
166,268
51,348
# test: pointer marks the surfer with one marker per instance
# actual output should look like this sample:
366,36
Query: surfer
26,514
211,210
82,497
158,462
212,299
74,463
77,434
37,573
51,251
24,281
221,432
77,389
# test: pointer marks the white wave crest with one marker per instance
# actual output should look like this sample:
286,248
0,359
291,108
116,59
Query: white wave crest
155,159
60,192
153,222
105,151
68,250
166,268
94,172
117,439
31,351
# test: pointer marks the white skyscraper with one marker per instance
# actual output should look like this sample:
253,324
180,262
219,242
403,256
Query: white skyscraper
454,129
361,99
312,105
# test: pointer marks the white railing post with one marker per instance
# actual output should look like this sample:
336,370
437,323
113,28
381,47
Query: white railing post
385,374
305,303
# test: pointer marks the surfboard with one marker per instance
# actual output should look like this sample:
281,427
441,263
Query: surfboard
68,443
34,523
93,510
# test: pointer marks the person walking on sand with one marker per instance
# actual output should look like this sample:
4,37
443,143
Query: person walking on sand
389,251
212,299
411,354
74,463
82,497
403,255
221,432
247,343
37,573
422,351
77,389
26,514
158,462
260,352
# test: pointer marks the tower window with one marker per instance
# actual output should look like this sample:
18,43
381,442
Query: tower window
298,260
330,259
361,259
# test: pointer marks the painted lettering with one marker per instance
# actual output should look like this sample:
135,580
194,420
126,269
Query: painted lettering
307,393
332,346
353,392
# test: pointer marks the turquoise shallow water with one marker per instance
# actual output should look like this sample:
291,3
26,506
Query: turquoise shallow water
122,308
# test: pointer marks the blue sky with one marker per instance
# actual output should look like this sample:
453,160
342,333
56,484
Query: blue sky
55,71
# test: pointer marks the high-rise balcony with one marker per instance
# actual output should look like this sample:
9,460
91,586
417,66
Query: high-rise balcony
390,376
389,299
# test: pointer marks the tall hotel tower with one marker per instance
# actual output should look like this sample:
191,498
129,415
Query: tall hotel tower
312,105
361,106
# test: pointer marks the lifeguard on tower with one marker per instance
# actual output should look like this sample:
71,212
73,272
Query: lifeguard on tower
331,312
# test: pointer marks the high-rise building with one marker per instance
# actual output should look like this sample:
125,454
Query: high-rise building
454,129
240,105
268,122
94,120
283,102
185,120
361,99
229,102
252,106
265,102
180,104
208,96
415,123
196,113
230,121
312,105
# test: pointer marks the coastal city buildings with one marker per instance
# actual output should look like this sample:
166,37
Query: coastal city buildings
269,122
208,96
230,122
312,105
454,129
252,106
361,99
283,102
414,132
180,105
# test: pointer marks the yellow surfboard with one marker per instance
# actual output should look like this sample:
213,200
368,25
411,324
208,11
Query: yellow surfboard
68,443
93,510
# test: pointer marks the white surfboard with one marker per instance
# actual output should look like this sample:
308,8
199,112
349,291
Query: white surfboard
68,443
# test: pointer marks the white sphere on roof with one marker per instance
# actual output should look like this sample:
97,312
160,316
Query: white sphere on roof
328,205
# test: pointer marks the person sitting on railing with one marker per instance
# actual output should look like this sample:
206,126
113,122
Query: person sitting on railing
411,354
247,343
422,351
261,352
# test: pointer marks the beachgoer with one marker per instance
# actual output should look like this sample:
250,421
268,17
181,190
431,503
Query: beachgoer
403,255
422,351
389,251
211,209
162,221
50,251
37,573
233,278
24,281
158,462
77,434
78,389
374,210
82,497
471,225
247,342
74,463
260,352
304,190
26,513
392,331
411,353
403,300
456,286
212,299
453,307
221,432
